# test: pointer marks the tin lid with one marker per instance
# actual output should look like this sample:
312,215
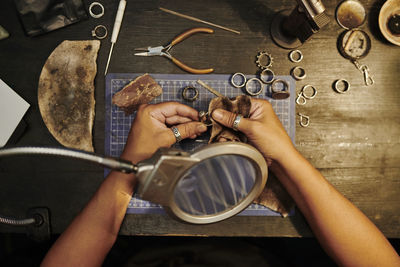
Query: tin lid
350,14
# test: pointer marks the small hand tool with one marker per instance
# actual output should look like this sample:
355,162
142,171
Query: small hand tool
164,50
117,26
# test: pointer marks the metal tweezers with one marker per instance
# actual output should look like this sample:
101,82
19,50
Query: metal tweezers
164,50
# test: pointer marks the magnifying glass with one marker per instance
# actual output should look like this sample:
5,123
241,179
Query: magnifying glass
210,184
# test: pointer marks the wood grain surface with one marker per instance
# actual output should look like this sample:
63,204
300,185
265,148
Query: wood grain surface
353,138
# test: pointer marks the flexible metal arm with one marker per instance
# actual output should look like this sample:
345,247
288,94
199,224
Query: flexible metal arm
112,163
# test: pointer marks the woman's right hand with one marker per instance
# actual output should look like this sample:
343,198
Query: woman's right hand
263,129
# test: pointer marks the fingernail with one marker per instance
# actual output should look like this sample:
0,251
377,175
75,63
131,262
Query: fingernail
201,128
217,114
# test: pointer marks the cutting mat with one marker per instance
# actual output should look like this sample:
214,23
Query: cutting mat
117,124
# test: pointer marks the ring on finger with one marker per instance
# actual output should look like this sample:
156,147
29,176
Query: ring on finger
235,125
177,134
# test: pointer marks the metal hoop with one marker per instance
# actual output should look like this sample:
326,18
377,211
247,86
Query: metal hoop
94,32
248,89
269,73
314,91
96,16
185,91
345,83
243,78
300,76
292,56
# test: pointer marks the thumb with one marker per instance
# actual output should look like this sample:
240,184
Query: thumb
189,129
227,118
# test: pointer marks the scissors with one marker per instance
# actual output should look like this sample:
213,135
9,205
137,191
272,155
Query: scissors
164,50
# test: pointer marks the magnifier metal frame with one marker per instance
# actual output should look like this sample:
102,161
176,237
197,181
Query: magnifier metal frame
159,175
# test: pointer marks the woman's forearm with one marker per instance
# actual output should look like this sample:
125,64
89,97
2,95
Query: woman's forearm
93,232
343,230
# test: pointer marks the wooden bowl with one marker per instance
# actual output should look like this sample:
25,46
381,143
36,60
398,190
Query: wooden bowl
388,10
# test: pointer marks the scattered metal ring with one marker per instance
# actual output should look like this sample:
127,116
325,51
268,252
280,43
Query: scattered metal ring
243,78
345,83
267,64
94,32
185,91
269,73
275,82
292,56
299,76
96,16
304,120
248,89
314,91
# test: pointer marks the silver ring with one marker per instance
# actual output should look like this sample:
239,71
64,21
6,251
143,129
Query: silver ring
96,16
94,32
298,76
233,80
235,125
314,91
297,53
248,86
285,84
270,76
177,134
345,83
190,98
280,94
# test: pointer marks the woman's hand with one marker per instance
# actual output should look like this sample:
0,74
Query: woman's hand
263,129
150,129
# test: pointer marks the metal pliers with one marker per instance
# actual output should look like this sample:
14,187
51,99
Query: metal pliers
164,51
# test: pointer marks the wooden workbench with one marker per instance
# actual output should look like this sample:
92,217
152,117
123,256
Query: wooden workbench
353,138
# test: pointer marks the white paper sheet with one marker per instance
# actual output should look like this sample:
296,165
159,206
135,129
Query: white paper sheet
12,109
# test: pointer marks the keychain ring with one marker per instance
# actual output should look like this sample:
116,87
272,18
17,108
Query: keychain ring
95,30
96,16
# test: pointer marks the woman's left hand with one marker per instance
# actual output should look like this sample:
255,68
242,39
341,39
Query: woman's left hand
151,129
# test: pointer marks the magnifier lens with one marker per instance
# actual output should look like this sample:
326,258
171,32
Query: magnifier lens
215,185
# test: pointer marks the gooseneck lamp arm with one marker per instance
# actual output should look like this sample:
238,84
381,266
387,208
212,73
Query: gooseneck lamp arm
108,162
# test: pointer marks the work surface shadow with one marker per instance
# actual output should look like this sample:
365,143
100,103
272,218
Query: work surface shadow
18,250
